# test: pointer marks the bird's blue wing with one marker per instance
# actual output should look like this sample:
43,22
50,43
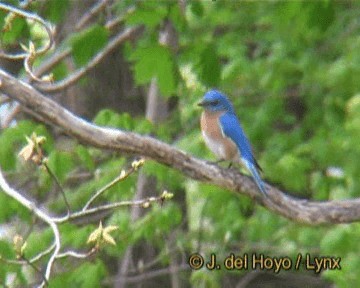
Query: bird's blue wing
231,128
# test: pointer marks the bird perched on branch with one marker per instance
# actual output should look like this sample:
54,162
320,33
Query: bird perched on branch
224,136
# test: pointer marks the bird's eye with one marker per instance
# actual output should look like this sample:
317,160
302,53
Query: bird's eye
215,102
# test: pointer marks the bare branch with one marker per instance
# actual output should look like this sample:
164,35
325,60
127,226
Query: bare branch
304,211
42,254
28,62
10,116
53,60
111,24
123,175
309,212
53,222
97,8
142,202
40,214
31,53
38,271
36,18
53,176
74,77
75,254
32,260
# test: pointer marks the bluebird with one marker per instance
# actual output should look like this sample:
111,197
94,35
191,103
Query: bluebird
224,136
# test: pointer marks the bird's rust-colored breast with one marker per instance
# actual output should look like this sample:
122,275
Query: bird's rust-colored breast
222,146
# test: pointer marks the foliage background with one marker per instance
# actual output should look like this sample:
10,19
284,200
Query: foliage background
292,70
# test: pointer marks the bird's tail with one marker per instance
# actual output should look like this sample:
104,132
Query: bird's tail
254,172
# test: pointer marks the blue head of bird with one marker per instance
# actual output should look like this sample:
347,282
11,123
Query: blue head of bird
215,101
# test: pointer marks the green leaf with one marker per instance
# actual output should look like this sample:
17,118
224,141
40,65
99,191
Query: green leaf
2,18
321,14
144,126
177,18
338,240
352,124
346,277
19,28
155,61
60,71
150,16
89,274
203,278
109,118
11,140
60,164
85,157
172,178
8,206
197,8
55,10
34,246
291,170
7,252
75,236
159,221
82,275
208,66
86,44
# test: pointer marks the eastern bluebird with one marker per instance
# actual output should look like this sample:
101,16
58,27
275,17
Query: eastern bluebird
224,136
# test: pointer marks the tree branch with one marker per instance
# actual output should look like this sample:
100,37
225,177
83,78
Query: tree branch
58,56
43,216
97,8
309,212
47,26
53,222
75,76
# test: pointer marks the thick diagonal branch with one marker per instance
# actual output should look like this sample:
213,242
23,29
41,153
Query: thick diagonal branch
303,211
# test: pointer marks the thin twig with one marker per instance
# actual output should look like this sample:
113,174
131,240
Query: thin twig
53,222
74,77
61,55
111,24
42,254
39,213
32,260
37,270
10,116
48,27
75,254
59,185
142,202
31,53
97,8
28,62
123,175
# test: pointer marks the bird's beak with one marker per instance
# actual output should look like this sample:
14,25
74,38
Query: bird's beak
201,104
